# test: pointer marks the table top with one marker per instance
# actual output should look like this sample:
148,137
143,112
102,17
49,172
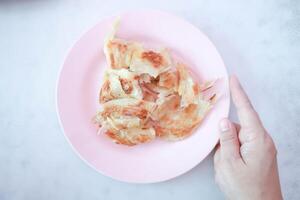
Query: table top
258,40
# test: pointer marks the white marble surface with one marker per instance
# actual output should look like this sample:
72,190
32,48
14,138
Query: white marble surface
258,40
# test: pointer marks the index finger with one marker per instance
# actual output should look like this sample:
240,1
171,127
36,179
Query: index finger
246,113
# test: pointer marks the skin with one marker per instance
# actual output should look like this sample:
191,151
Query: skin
245,160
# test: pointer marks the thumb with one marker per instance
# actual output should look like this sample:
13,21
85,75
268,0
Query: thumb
230,146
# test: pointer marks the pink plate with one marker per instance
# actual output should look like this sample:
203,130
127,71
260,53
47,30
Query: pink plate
80,80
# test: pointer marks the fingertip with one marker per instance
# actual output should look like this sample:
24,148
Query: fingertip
224,125
229,144
227,131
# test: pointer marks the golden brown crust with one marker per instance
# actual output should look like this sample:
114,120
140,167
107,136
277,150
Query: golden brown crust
130,139
148,93
118,139
104,95
126,85
169,80
155,58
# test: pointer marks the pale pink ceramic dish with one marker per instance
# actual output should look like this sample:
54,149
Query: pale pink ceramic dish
78,88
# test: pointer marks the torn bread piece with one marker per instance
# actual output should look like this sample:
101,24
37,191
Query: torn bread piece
126,120
187,88
176,122
132,136
150,62
119,84
118,52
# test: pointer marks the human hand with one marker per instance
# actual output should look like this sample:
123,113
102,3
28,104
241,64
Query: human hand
245,161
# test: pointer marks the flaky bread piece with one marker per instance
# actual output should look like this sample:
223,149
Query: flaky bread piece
126,120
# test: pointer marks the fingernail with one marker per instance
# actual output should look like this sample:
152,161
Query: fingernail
224,125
